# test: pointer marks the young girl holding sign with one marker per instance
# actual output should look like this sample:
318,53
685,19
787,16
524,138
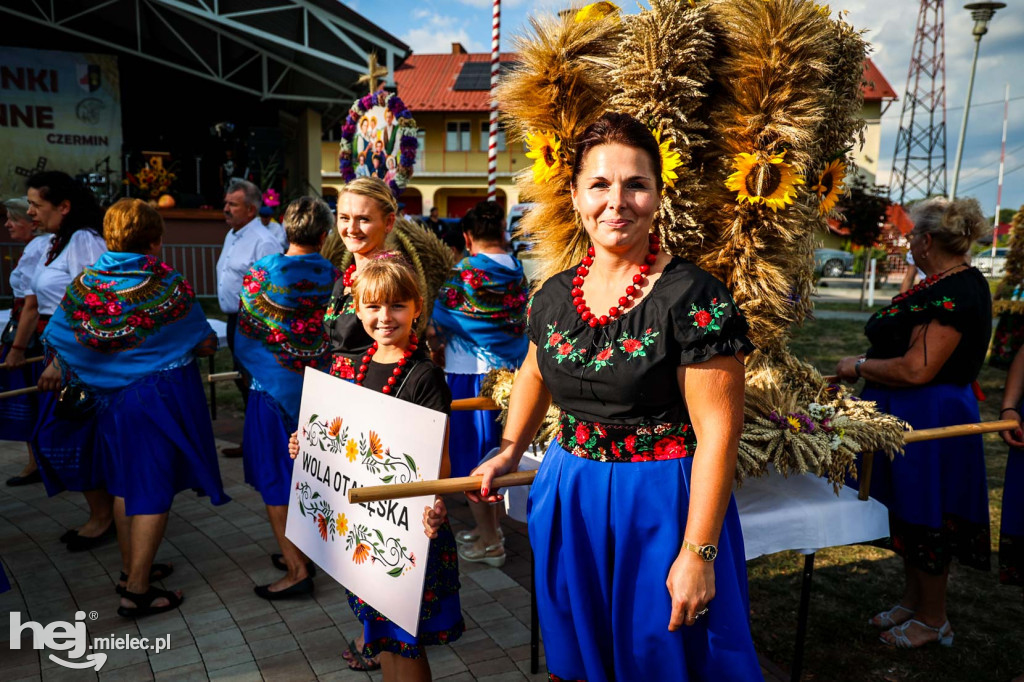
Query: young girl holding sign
387,302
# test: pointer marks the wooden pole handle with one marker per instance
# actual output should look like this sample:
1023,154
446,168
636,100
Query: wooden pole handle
477,403
223,376
29,361
19,391
443,487
446,486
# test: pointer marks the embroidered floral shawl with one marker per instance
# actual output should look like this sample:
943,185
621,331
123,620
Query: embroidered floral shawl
281,323
482,308
126,317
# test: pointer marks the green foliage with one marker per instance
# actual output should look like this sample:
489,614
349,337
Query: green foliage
863,210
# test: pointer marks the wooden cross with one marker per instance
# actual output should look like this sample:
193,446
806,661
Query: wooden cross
374,72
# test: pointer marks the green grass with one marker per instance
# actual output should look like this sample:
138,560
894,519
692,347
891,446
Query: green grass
853,583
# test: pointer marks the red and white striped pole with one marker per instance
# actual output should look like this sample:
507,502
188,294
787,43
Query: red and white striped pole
492,139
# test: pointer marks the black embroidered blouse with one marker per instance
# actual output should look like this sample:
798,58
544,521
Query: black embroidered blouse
962,301
348,338
625,372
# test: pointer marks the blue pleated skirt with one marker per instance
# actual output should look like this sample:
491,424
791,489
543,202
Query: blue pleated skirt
1011,527
66,450
155,439
18,415
604,536
472,433
937,492
268,466
441,620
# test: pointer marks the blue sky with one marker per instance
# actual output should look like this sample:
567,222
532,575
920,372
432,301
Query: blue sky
432,25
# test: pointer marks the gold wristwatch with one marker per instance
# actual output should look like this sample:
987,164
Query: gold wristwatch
705,552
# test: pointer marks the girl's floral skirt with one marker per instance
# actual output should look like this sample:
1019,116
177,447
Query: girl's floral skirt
155,439
441,619
267,464
604,536
937,492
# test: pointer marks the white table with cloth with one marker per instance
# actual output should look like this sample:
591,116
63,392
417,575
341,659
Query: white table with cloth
777,513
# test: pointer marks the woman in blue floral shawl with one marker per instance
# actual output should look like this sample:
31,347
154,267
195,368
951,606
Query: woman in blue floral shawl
480,319
124,340
281,332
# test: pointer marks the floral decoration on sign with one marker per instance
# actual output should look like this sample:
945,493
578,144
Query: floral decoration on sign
313,506
331,435
707,319
544,151
763,178
369,543
390,141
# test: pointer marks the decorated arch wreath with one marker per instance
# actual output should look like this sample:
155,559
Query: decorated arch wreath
407,142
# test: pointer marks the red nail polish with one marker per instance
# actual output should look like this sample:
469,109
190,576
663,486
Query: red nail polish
485,492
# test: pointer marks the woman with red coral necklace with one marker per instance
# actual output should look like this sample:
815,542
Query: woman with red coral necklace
366,216
927,348
644,354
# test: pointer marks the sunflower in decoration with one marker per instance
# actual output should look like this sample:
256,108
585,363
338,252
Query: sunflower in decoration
597,10
830,186
544,150
760,178
669,160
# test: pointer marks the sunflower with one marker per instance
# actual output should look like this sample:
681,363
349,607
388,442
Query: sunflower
544,148
830,186
351,450
669,160
596,11
361,554
335,428
342,524
763,178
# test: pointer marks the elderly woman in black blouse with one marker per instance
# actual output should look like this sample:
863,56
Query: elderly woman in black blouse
927,348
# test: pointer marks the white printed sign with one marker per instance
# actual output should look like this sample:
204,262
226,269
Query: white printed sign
351,437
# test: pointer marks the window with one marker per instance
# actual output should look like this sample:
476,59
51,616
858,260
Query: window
458,137
485,134
421,151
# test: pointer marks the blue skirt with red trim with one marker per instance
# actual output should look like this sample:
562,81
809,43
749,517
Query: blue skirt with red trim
604,536
937,492
265,458
155,439
472,433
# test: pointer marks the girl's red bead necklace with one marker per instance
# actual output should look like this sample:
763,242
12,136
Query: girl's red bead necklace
632,291
364,364
346,278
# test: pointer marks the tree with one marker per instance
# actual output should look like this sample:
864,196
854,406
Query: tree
863,209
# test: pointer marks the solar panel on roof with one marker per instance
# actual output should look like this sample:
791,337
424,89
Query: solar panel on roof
477,75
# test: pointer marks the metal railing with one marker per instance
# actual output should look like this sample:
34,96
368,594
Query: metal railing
198,262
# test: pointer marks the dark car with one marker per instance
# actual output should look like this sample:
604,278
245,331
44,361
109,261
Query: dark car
832,262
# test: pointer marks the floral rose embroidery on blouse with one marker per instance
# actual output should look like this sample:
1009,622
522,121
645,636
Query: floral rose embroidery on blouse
945,302
708,319
636,347
602,358
562,347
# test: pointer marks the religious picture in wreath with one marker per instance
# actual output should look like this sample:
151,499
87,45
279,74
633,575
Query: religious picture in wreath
350,437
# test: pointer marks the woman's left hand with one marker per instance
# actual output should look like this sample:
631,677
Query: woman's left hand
49,380
846,369
433,517
691,586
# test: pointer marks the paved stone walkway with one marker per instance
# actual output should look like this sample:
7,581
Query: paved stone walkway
223,631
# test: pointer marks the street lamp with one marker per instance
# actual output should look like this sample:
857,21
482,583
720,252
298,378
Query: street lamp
982,13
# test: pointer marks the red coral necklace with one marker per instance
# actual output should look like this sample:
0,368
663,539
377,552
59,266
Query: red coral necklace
346,278
364,364
632,291
925,283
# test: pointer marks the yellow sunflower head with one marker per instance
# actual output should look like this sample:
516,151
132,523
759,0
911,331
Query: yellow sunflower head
830,186
597,10
669,160
544,151
764,178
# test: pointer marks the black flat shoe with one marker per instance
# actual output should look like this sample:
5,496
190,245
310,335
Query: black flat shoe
279,564
82,543
304,586
69,535
28,479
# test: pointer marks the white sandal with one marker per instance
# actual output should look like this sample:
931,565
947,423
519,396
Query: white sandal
901,641
485,556
884,619
468,537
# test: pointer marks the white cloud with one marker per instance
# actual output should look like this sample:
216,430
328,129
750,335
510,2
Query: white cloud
436,33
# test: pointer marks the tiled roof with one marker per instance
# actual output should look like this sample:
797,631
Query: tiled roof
876,87
426,82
